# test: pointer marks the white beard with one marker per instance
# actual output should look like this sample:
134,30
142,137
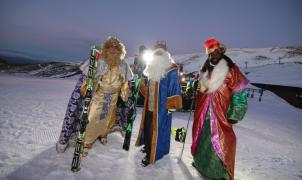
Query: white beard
157,68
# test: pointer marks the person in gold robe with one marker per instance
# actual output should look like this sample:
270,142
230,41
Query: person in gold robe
111,81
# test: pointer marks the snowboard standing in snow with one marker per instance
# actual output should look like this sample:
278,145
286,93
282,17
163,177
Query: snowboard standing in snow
94,56
131,103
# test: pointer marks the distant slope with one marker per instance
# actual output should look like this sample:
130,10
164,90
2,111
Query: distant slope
262,65
52,69
245,57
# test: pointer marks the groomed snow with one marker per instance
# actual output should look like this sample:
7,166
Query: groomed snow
269,139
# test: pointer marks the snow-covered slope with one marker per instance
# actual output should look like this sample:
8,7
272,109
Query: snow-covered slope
51,69
269,139
241,56
248,59
287,74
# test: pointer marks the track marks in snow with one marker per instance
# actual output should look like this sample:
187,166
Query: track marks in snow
45,137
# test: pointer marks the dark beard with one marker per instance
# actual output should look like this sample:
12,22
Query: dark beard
209,67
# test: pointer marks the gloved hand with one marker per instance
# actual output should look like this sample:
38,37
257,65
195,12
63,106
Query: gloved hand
171,110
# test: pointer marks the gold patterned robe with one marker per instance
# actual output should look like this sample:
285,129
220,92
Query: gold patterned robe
111,83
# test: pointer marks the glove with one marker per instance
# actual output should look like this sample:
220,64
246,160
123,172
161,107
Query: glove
171,110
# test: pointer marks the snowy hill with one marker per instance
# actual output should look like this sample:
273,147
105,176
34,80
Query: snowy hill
253,57
51,69
255,62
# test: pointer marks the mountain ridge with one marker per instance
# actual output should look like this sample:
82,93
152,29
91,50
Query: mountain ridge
252,61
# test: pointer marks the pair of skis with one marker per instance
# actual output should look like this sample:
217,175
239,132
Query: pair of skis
94,57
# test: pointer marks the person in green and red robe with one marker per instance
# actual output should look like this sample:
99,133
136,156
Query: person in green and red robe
221,102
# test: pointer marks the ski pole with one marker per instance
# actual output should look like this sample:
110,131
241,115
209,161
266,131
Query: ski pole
191,109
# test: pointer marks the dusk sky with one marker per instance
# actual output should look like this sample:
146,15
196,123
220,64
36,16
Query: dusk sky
65,29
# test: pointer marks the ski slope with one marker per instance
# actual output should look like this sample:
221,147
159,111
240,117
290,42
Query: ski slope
269,139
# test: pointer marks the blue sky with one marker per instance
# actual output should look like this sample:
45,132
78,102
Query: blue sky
65,29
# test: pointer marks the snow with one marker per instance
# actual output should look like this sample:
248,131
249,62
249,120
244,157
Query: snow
31,113
269,139
287,74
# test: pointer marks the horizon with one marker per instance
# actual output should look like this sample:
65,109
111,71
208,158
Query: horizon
61,30
14,57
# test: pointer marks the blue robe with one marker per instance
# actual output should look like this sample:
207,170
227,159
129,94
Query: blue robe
167,96
72,116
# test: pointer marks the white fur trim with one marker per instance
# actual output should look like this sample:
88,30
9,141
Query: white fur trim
218,76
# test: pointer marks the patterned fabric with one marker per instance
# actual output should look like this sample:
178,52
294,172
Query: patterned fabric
74,109
102,112
73,112
106,105
126,109
71,121
123,110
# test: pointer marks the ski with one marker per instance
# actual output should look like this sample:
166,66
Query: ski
76,160
131,103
